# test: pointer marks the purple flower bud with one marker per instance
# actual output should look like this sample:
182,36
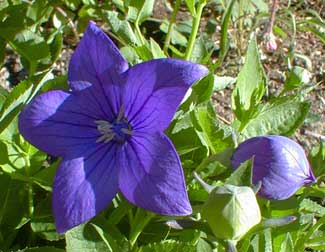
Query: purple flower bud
279,163
270,44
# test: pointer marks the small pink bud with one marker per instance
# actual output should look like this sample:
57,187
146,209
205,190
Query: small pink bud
270,44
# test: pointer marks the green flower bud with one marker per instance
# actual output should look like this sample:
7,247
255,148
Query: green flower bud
231,211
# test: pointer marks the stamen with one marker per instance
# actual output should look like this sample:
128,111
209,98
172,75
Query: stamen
126,131
105,137
119,130
120,113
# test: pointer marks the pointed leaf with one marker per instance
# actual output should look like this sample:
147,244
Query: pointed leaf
213,134
287,244
250,84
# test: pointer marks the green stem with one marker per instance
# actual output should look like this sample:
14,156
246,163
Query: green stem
30,186
141,220
241,14
224,35
138,31
171,26
195,28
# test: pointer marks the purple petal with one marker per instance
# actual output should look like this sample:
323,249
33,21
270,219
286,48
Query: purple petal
154,90
58,122
151,175
99,62
279,163
84,186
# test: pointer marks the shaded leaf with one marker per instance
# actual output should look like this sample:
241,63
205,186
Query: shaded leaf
120,27
15,99
42,249
280,117
140,10
14,204
42,222
168,246
242,176
86,239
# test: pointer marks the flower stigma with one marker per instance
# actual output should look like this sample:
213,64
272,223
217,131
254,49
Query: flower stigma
119,130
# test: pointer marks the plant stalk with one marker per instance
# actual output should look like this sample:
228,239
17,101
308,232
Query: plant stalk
195,28
171,26
139,223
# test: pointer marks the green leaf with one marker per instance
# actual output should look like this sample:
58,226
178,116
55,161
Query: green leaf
144,52
298,76
316,30
188,145
311,206
203,246
156,51
42,222
109,241
182,121
30,45
168,246
14,21
56,46
72,4
39,11
203,89
59,82
14,204
217,137
45,176
10,132
177,38
317,159
202,50
14,158
3,95
317,243
191,7
268,240
86,239
15,99
42,249
120,27
279,117
224,43
287,244
221,82
242,176
250,85
109,232
3,44
140,10
130,55
3,4
20,95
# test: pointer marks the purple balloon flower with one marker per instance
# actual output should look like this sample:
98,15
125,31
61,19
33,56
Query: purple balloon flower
109,132
279,163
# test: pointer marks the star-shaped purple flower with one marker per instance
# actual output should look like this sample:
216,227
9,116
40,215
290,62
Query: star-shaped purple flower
109,132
